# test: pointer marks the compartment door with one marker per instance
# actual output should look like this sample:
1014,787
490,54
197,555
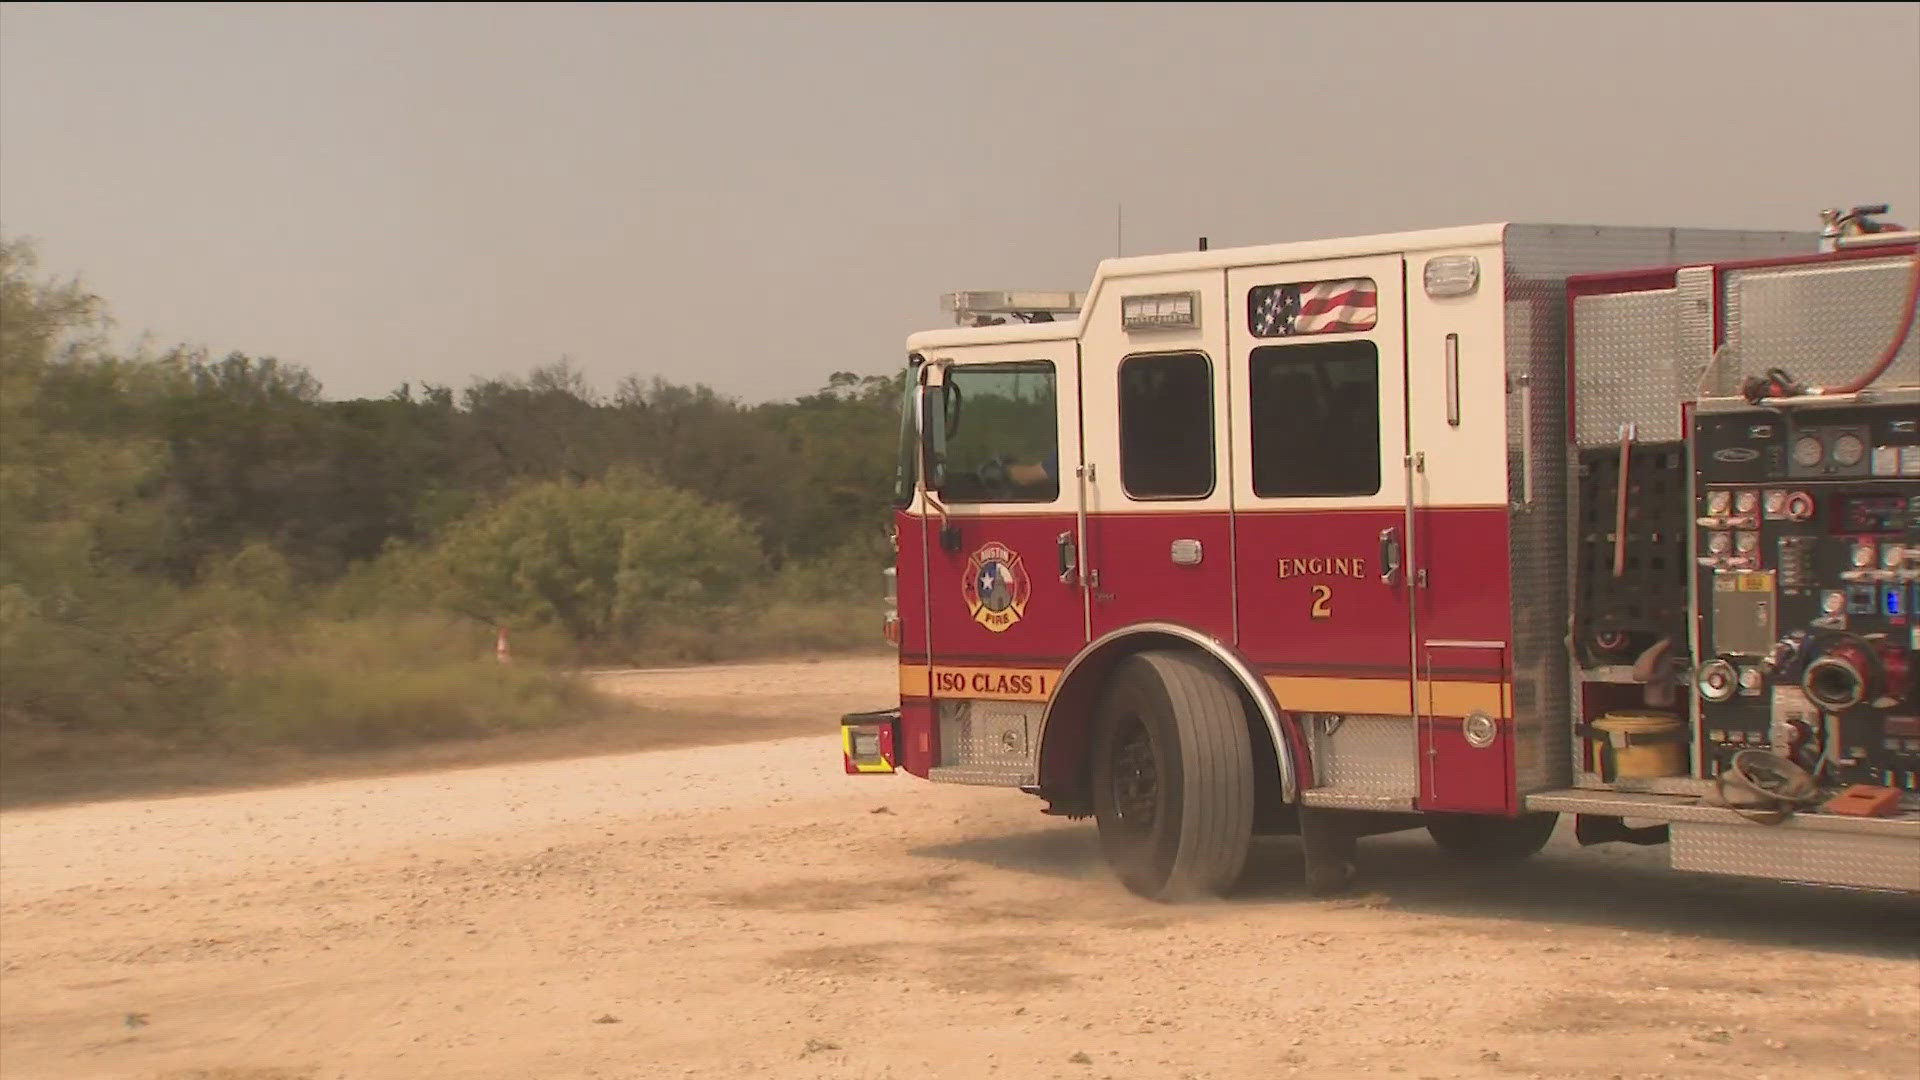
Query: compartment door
1320,490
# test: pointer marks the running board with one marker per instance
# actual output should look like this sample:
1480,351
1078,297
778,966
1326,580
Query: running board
1827,849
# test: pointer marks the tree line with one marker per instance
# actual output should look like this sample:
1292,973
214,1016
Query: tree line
157,508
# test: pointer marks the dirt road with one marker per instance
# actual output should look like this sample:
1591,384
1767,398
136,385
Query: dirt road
745,910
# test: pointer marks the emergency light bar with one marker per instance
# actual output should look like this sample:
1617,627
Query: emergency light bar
967,306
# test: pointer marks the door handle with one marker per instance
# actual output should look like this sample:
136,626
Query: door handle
1389,555
1069,563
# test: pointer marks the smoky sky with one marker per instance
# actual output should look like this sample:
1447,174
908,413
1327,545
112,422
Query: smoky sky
753,197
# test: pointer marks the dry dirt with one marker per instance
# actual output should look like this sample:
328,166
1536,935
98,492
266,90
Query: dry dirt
746,910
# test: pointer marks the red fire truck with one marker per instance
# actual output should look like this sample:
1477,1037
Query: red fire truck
1462,529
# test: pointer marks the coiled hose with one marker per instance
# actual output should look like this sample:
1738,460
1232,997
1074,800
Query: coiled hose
1762,786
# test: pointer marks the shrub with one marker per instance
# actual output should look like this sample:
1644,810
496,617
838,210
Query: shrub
601,560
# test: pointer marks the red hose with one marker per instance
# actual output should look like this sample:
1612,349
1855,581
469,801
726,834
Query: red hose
1899,339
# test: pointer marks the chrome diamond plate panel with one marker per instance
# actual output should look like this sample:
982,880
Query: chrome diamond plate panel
1539,259
1341,800
1829,858
1366,756
1537,533
976,777
1655,785
1824,324
1674,807
1628,368
995,736
1694,300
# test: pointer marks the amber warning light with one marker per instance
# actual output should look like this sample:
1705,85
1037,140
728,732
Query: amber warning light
866,742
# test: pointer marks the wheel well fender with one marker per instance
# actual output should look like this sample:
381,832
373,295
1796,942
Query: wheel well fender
1066,725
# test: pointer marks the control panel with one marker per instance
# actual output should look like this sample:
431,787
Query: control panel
1807,581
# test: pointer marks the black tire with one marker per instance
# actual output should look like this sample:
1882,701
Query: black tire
1172,777
1477,839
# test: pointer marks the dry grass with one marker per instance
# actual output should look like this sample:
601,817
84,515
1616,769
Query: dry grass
136,770
313,698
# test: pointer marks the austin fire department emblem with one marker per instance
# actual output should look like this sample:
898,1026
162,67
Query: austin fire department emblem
996,587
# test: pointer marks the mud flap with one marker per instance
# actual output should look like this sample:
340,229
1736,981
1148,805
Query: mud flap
1328,840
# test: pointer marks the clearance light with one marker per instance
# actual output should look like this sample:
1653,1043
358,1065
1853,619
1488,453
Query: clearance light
1162,311
1452,275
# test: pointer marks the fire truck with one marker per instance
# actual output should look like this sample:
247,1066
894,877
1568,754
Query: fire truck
1466,529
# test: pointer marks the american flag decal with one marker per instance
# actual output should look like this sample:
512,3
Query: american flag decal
1312,307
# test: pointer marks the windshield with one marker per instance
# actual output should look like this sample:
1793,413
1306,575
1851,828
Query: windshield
907,458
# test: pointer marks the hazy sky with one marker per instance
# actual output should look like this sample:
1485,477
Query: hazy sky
753,197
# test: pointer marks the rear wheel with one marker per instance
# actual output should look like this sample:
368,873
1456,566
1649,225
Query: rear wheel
1491,839
1173,787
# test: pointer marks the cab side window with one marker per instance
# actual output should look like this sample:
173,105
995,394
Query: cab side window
1316,419
1166,426
1002,433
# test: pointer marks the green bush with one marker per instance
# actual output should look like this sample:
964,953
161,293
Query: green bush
602,560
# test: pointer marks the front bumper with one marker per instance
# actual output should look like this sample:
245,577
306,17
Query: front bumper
867,741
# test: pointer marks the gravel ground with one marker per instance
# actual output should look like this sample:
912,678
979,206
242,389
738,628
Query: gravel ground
747,910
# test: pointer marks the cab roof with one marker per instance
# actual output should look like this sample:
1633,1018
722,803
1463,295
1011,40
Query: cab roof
1215,259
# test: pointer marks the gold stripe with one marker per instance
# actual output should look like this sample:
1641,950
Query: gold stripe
978,683
1461,698
994,683
1312,693
1385,697
1375,697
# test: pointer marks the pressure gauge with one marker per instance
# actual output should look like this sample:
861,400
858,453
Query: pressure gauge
1746,543
1746,502
1892,556
1849,449
1776,503
1807,451
1833,601
1863,554
1719,543
1717,502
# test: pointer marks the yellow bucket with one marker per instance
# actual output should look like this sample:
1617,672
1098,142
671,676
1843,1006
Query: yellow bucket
1642,744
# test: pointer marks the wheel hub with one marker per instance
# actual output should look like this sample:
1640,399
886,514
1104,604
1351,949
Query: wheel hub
1136,778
